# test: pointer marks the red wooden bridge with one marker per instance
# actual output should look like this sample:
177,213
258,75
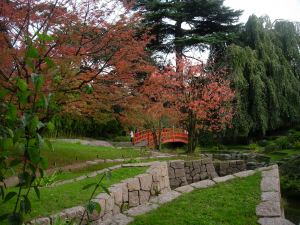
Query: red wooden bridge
146,138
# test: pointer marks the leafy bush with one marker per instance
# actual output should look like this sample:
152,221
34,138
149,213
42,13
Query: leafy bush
290,177
263,143
254,147
283,142
271,148
122,138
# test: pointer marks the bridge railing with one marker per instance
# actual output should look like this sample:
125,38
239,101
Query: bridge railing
167,135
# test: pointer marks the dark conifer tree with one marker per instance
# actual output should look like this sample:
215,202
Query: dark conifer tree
179,24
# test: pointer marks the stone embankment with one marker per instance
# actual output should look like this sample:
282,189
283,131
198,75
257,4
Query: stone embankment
270,211
166,181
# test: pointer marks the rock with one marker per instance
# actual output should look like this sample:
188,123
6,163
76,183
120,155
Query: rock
116,210
203,184
270,196
268,209
74,213
133,184
141,209
119,219
95,214
244,173
271,173
133,198
123,187
115,167
178,164
41,221
223,179
144,196
184,189
171,172
117,194
274,221
166,197
145,181
270,184
179,173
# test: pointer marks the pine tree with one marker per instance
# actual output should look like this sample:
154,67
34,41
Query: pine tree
180,24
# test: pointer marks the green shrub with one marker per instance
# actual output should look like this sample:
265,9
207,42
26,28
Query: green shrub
283,142
271,148
254,147
263,143
122,139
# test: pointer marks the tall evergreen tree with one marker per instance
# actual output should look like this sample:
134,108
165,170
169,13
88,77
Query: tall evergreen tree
179,24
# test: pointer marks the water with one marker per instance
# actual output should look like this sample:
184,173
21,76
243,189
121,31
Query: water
292,210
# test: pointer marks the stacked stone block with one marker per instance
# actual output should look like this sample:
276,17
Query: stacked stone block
177,175
182,173
129,193
224,168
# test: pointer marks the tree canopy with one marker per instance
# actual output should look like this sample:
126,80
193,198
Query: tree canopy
179,24
264,65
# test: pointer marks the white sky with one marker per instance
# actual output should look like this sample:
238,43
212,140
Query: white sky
275,9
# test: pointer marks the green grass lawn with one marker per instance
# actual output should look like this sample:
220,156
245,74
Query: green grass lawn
65,196
67,153
231,203
280,154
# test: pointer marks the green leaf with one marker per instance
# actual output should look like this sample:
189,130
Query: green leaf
38,81
9,196
15,162
49,62
24,178
89,186
50,126
105,189
23,96
3,92
4,216
37,192
34,154
22,85
32,52
42,102
44,163
7,143
49,144
25,205
45,37
91,206
11,112
15,219
29,63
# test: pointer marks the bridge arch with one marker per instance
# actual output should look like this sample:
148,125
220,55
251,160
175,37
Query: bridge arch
168,135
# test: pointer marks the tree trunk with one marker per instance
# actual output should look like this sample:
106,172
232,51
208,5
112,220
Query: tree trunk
178,46
191,127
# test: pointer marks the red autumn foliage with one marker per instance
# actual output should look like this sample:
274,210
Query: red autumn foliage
90,46
193,96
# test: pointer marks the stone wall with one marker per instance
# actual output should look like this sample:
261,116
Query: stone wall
182,173
129,193
224,168
269,210
252,160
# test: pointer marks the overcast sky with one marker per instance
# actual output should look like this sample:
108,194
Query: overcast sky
275,9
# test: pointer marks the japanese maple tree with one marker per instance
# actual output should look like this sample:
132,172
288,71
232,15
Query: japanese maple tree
196,98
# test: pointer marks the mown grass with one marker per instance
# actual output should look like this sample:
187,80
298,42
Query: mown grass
55,199
231,203
69,153
281,154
